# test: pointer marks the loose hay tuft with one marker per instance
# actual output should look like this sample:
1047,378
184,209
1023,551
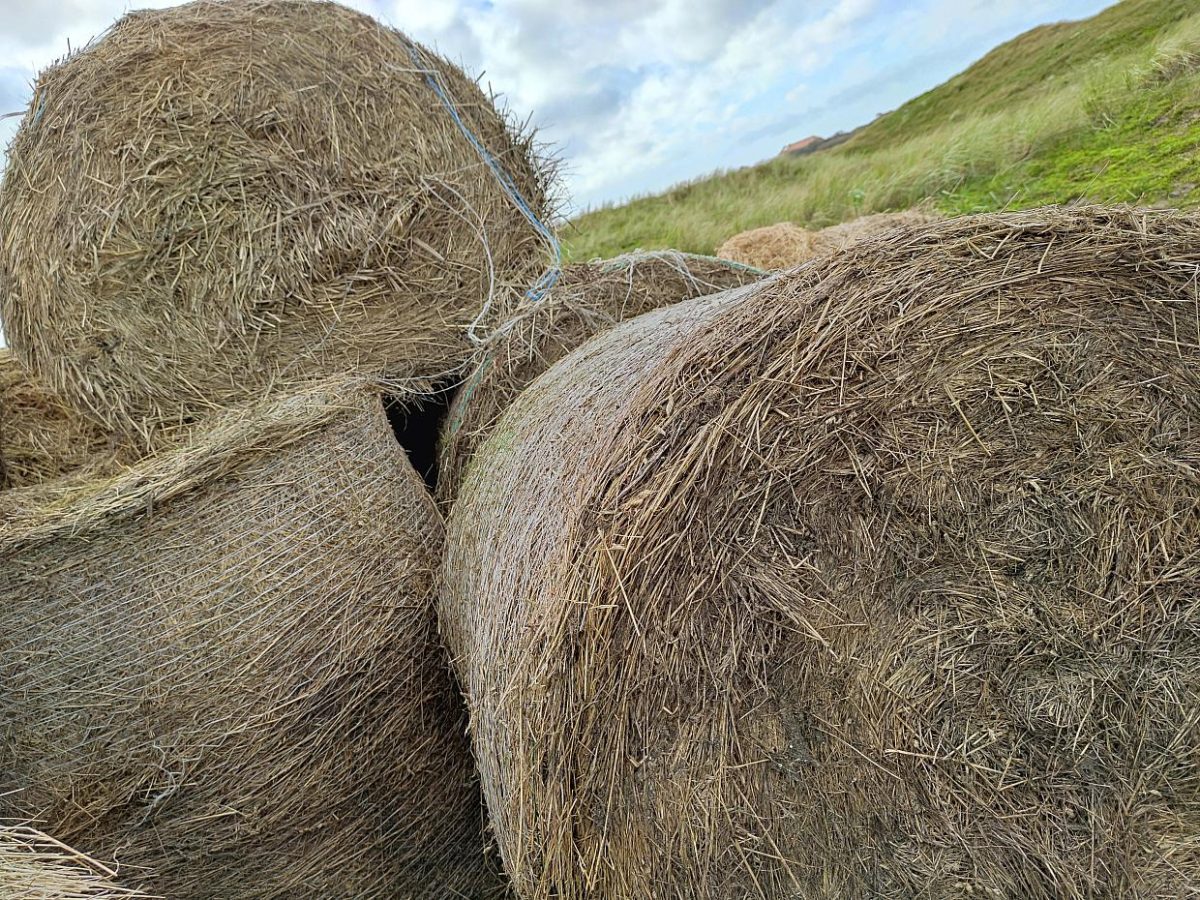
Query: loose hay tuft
881,579
588,299
786,245
221,666
36,867
221,198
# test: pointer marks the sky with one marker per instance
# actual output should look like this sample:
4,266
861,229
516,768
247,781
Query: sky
637,95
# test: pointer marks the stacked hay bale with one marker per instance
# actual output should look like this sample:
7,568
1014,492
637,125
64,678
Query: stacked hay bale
218,653
839,237
785,245
778,246
878,579
588,299
220,199
34,866
219,661
221,666
41,437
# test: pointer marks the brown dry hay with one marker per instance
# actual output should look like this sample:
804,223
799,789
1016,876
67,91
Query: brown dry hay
34,866
222,666
839,237
41,438
587,299
786,245
770,247
880,579
220,198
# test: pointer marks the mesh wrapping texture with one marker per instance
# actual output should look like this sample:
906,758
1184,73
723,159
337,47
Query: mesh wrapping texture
880,578
220,669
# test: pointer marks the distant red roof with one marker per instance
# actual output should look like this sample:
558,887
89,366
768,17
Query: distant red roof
801,146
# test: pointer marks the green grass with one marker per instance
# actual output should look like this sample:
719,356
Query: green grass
1107,110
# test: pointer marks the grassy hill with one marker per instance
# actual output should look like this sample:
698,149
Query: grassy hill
1106,109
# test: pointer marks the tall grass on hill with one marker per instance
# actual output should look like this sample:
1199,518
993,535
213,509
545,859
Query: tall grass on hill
1107,109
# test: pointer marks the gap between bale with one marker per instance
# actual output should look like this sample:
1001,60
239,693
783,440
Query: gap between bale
879,579
221,667
417,421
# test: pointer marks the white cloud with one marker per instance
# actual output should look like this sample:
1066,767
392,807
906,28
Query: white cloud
34,34
640,93
625,86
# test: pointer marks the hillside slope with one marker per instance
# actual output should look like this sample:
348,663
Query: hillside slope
1105,109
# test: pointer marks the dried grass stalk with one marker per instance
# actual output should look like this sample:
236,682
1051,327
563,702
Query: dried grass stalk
221,666
588,299
34,866
41,438
880,579
221,198
786,245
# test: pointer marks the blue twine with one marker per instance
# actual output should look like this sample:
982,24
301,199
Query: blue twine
550,277
41,108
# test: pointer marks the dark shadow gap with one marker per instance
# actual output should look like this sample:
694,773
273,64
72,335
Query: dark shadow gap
416,421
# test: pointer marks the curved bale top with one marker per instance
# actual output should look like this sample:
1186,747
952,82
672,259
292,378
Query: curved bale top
588,298
785,245
221,666
778,246
41,438
877,579
34,866
220,198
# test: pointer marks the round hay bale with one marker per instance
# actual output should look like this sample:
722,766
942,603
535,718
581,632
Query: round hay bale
786,245
777,246
34,866
220,198
221,666
879,579
41,438
587,299
839,237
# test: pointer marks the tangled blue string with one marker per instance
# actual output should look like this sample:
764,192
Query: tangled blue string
550,277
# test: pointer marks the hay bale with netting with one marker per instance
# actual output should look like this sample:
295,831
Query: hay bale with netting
34,866
217,199
41,437
587,299
877,579
786,245
770,247
221,667
840,236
